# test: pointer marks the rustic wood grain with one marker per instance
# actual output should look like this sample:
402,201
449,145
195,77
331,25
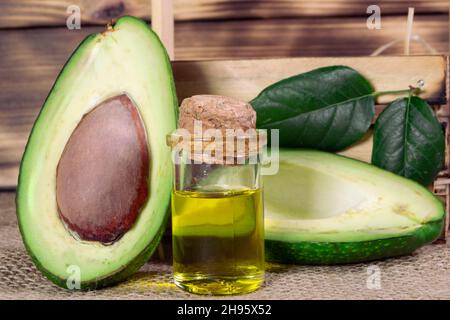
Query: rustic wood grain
254,38
31,13
163,24
32,58
362,150
27,13
244,79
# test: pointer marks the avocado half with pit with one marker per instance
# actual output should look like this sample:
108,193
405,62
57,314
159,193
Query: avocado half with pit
95,178
322,208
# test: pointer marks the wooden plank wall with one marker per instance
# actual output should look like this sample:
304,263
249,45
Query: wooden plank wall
34,42
30,13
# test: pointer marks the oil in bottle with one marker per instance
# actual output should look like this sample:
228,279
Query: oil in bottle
218,241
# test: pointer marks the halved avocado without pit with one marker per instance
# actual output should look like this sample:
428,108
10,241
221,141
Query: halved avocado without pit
95,178
322,208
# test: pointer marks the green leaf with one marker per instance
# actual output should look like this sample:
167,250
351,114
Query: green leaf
328,108
408,140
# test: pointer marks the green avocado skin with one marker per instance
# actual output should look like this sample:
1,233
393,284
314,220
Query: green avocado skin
111,280
145,255
327,253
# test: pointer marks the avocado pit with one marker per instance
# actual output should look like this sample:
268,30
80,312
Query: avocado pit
103,173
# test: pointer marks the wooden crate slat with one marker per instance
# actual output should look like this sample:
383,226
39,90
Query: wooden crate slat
28,13
32,13
362,150
245,78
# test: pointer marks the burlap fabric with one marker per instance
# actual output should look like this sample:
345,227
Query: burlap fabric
423,275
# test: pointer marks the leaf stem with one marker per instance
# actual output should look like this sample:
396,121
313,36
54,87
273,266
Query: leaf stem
410,91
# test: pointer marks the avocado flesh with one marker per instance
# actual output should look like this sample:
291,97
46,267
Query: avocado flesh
323,208
128,58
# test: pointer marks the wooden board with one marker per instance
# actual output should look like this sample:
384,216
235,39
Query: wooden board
244,79
362,150
242,39
21,97
27,13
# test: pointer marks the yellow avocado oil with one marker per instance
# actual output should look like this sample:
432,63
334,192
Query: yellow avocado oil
218,241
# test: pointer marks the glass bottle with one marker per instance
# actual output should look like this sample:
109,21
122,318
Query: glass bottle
217,212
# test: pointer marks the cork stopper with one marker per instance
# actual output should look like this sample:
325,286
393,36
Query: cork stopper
216,112
216,129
